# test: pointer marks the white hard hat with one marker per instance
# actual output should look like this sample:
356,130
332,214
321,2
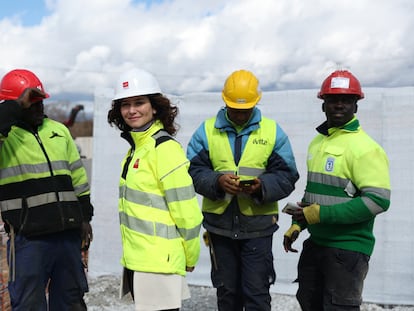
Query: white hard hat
136,82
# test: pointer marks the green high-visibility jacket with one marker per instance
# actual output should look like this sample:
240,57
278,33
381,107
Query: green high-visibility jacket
160,217
42,180
348,175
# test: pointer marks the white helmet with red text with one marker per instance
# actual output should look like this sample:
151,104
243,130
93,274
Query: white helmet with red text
136,82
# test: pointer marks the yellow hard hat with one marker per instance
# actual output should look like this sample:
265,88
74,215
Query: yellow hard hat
241,90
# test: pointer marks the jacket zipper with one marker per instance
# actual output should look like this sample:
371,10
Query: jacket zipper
52,175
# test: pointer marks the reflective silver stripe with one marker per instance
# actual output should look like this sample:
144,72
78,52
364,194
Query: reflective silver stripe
24,169
243,170
180,194
75,165
10,205
149,227
32,169
143,198
176,168
160,134
82,188
374,208
324,199
37,200
331,200
328,180
250,171
60,165
189,234
227,172
45,198
378,192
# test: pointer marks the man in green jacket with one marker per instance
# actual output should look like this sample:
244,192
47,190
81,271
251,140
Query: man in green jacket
348,185
44,200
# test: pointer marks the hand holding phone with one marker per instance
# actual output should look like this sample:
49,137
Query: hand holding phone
291,207
246,183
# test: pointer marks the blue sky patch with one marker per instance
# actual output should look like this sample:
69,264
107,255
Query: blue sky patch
29,12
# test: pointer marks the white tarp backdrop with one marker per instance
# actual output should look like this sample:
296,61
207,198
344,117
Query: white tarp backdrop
386,114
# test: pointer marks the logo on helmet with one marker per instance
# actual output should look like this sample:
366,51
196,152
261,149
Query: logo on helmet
340,83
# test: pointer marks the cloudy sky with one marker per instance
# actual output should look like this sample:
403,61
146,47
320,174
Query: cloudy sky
76,46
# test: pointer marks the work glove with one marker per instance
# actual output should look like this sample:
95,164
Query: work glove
290,236
311,213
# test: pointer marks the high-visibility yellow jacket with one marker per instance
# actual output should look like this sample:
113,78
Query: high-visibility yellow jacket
159,212
43,184
348,175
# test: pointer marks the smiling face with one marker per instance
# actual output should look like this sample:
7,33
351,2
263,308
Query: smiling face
137,111
339,109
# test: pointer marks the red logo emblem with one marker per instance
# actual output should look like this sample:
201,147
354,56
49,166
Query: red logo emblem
125,84
136,164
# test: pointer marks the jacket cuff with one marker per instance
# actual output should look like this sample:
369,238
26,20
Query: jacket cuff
87,208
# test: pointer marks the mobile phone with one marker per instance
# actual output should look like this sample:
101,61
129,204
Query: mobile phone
291,207
246,183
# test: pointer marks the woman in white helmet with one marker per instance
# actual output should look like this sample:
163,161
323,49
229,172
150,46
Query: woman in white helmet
158,209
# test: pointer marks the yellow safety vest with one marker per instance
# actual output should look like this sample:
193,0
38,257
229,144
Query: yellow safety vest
253,161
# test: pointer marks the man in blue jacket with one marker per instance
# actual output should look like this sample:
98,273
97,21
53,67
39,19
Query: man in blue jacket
242,164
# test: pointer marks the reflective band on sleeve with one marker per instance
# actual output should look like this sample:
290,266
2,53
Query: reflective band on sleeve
82,188
143,198
148,227
180,194
189,234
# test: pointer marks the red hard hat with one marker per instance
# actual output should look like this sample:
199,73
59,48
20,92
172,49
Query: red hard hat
16,81
341,82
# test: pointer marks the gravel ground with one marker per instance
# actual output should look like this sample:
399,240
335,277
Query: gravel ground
104,293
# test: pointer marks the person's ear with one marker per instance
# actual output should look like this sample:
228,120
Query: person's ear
356,108
154,112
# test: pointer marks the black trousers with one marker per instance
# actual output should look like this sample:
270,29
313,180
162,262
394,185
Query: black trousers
330,279
242,271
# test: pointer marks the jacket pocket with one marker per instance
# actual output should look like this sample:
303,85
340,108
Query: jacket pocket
50,218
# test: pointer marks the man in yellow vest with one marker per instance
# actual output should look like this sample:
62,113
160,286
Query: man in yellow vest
242,164
44,200
348,185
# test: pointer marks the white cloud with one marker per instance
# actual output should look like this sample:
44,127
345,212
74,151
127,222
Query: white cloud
193,46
